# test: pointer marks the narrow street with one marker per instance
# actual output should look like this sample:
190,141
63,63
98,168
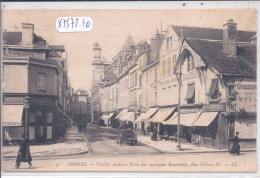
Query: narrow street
103,143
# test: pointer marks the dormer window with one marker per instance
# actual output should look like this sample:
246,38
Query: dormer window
190,62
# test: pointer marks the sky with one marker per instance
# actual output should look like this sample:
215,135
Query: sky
112,26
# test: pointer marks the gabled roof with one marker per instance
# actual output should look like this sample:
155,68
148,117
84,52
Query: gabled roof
128,43
210,33
211,53
207,43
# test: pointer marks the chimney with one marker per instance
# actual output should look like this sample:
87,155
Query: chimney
27,33
230,38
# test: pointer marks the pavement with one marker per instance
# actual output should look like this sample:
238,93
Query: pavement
72,143
166,146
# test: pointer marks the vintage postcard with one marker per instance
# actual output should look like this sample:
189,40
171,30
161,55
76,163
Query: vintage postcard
129,90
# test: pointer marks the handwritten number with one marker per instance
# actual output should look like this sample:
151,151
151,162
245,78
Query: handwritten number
59,21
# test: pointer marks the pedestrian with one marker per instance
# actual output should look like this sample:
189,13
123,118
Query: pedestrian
24,154
154,135
236,145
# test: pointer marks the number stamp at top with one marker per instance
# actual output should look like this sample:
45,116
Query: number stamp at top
74,24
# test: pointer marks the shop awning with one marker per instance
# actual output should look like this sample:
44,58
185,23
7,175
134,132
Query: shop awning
12,115
205,119
190,91
105,119
122,113
110,115
162,114
103,116
246,128
186,119
147,114
170,120
129,116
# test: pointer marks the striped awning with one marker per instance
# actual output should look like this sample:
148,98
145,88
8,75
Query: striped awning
186,119
205,119
122,113
162,114
129,116
147,114
12,115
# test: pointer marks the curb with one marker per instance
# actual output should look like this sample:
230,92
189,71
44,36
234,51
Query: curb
84,152
188,152
59,155
177,152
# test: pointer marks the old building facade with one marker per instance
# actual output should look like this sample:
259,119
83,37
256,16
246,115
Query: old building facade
35,87
217,84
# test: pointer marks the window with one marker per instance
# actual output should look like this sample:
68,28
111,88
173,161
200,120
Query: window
214,89
169,66
155,75
190,62
147,77
171,41
164,96
167,43
140,80
163,68
41,83
190,95
174,60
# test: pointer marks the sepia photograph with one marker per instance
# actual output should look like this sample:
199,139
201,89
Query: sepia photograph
129,90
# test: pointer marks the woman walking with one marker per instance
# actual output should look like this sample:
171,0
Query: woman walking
236,145
24,154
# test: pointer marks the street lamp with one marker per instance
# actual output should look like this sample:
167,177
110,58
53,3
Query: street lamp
179,74
26,107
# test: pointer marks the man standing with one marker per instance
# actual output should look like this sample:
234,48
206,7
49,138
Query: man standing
24,154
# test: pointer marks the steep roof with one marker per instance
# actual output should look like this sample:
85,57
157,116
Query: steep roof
15,38
210,33
12,38
207,42
211,53
128,43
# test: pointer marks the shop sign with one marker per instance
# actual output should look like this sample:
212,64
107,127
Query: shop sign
167,81
13,99
43,100
190,109
215,107
245,98
190,75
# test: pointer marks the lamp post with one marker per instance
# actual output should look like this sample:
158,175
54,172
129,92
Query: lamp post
179,74
26,107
